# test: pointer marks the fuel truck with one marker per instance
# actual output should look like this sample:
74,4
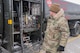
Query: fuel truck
23,23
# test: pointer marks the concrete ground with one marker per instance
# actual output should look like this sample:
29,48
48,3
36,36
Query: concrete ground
73,45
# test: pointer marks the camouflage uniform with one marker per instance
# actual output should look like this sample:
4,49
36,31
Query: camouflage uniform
56,34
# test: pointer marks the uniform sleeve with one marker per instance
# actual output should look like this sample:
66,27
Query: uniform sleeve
64,30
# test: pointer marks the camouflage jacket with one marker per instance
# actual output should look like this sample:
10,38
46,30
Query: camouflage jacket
57,32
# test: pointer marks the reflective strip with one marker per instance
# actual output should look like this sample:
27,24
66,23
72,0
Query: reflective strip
10,21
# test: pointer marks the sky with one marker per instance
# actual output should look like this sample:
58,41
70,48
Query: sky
74,1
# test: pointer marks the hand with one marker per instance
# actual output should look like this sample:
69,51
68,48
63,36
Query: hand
60,48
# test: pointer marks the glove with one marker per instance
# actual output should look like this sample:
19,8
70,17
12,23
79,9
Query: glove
60,48
48,52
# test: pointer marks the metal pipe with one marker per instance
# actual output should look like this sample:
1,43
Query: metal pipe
21,24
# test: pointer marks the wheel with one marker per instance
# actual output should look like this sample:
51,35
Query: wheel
77,30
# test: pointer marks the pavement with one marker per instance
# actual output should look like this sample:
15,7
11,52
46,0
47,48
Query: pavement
73,45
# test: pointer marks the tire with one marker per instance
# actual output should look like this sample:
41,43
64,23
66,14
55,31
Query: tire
77,31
